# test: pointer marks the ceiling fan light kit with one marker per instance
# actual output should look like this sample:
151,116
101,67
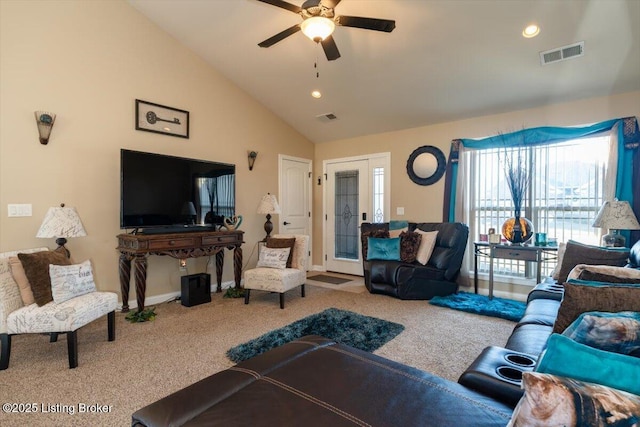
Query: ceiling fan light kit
317,28
319,22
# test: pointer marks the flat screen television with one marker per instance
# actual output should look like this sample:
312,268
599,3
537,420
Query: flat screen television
160,193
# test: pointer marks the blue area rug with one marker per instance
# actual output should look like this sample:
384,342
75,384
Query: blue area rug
353,329
481,304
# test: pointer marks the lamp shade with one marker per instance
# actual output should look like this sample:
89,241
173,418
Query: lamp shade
188,208
61,221
616,215
269,205
317,28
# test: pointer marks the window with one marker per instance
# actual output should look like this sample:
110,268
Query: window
565,193
378,194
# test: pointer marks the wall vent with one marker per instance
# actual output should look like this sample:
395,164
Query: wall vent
562,53
327,117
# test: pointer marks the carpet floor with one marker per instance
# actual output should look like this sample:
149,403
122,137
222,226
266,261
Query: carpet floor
148,361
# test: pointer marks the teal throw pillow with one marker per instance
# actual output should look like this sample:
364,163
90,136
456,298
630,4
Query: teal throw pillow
384,249
395,224
600,284
567,358
616,332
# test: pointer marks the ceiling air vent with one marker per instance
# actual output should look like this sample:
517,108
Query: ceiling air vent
562,53
327,117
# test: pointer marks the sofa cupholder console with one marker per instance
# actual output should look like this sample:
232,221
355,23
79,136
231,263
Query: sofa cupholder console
497,372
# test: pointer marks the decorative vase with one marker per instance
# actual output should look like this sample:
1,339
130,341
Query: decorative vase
517,230
232,223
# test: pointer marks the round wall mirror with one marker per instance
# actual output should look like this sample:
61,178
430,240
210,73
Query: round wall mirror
426,165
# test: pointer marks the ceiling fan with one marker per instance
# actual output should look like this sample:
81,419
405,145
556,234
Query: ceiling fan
319,21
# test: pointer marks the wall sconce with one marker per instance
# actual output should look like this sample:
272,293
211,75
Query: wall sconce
252,158
45,123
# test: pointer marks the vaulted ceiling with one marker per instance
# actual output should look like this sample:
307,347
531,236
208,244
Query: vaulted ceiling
445,60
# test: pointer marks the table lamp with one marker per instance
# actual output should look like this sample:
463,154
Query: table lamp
615,216
268,205
61,222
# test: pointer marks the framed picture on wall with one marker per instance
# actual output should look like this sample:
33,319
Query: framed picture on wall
158,118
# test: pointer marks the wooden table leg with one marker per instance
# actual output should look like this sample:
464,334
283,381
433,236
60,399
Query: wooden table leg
125,276
219,265
237,265
140,262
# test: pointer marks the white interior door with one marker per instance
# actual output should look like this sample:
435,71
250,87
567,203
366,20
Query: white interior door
295,197
347,206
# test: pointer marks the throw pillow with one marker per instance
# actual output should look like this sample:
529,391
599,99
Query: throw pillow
70,281
549,400
605,273
562,247
17,271
615,332
380,234
397,227
427,243
409,245
580,298
36,268
384,249
273,258
578,253
567,358
273,242
599,277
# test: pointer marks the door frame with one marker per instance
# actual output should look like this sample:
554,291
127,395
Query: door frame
309,163
375,160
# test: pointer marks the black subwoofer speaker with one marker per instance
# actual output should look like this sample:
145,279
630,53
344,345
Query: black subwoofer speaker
196,289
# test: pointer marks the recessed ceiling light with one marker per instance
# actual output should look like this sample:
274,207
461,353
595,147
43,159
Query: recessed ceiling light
316,94
531,31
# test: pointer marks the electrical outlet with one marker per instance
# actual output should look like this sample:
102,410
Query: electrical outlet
399,211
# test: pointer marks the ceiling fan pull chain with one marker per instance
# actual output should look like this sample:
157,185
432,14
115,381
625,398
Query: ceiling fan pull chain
315,64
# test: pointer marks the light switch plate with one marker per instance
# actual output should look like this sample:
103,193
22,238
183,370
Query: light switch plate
17,210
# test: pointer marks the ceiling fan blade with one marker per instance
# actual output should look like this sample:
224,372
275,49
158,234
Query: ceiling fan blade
280,36
385,25
330,49
330,3
283,4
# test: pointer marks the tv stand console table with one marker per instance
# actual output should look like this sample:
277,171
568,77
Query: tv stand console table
137,247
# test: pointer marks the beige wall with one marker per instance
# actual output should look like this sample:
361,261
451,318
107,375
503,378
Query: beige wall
87,61
424,203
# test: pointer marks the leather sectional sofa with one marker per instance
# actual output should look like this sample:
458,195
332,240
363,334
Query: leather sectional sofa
413,281
317,382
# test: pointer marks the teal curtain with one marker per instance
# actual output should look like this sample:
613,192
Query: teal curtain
628,142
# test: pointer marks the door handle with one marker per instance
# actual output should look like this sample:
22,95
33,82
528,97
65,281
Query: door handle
286,223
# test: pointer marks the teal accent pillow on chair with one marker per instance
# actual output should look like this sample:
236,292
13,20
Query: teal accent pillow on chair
567,358
384,249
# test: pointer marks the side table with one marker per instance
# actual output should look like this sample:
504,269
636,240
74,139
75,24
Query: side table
537,254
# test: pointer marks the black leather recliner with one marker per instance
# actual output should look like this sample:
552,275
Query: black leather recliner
414,280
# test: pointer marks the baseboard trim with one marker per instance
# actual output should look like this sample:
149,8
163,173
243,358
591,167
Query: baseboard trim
159,299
